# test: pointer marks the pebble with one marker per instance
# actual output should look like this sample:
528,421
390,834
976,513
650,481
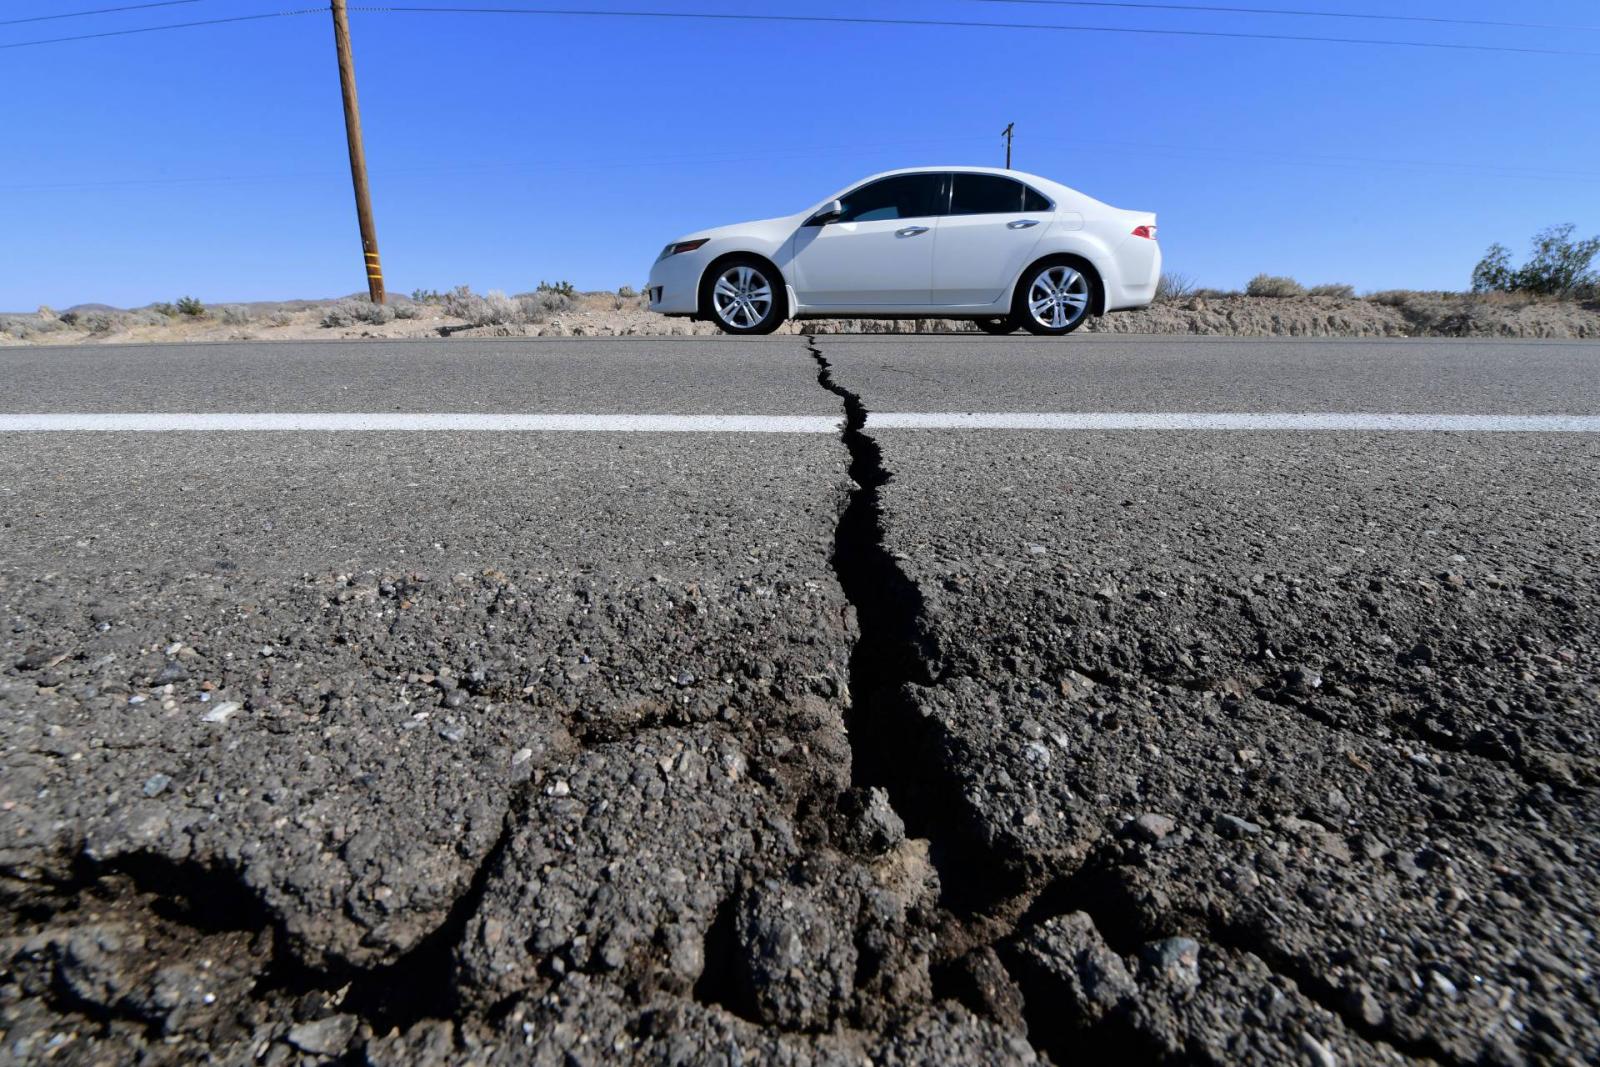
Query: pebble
222,712
1321,1055
324,1037
1177,957
452,733
1151,827
156,784
1235,827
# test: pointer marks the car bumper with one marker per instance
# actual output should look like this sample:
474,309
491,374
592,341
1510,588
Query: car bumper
1139,267
674,284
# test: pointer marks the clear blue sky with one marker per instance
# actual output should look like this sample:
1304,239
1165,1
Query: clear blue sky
509,149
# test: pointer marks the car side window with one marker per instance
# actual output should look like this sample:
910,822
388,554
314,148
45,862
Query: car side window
904,196
987,194
1034,200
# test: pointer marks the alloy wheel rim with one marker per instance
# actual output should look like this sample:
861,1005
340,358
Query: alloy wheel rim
1058,297
742,296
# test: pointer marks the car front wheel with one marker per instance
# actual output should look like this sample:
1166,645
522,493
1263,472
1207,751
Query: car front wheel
743,296
1053,299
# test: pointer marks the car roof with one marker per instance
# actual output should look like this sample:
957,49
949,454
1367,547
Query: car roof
1056,189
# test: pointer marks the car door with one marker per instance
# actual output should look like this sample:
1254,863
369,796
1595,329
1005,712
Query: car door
878,253
988,236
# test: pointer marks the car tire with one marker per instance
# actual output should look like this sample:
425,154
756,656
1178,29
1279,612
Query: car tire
996,327
1055,297
731,296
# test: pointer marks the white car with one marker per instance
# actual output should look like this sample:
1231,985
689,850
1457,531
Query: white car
1005,249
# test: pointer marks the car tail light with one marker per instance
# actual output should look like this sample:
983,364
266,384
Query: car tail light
1148,232
686,246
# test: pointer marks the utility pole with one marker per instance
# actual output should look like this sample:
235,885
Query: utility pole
1006,133
358,154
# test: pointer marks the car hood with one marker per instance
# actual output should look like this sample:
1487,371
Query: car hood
769,228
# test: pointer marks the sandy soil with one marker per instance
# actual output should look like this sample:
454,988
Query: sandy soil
609,315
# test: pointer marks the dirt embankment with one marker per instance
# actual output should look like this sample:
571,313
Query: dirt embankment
610,315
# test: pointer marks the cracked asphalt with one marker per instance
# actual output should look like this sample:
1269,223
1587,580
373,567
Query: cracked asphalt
890,746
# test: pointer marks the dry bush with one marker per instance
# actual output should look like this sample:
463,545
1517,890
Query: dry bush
236,314
23,327
407,311
1393,297
462,303
1174,287
350,312
1343,292
540,305
1274,286
1217,294
497,309
627,292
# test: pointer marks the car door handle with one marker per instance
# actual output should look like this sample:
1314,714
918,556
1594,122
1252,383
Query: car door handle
1022,224
911,231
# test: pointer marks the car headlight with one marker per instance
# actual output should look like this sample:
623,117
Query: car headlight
683,246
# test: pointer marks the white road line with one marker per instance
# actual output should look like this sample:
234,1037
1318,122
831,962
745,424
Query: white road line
1189,420
422,422
415,422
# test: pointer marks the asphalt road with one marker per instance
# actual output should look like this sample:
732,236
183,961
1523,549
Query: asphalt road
918,745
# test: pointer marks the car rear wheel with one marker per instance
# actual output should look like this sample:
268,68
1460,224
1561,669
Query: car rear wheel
1053,299
743,296
997,327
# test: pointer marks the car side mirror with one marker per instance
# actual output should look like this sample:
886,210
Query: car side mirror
829,212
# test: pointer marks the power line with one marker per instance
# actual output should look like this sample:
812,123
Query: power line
97,11
166,26
1437,19
959,24
837,20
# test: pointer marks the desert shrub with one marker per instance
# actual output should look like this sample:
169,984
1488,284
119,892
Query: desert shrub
497,309
280,318
539,305
189,306
1344,292
1274,286
235,314
566,289
1559,266
161,307
1174,287
627,292
350,312
493,309
427,296
406,311
1393,297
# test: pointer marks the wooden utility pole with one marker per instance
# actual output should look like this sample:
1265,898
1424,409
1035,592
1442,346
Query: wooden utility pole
1006,133
358,154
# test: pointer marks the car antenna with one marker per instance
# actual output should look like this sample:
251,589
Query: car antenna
1006,133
